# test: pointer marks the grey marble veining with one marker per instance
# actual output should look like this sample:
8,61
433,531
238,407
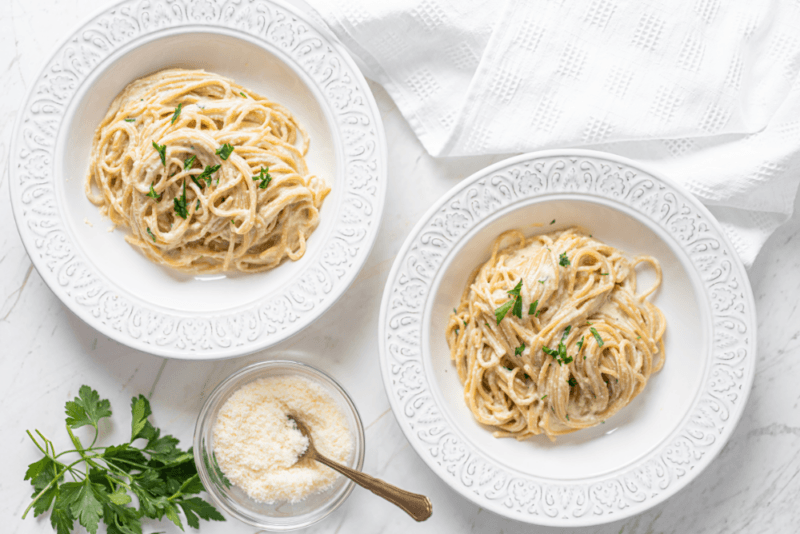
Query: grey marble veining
48,353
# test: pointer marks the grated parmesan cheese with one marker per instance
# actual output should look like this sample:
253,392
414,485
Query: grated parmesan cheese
257,446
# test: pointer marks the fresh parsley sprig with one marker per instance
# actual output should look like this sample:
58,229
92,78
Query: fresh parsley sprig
264,176
161,476
563,260
224,152
514,305
179,203
206,174
176,114
162,152
559,354
596,336
152,194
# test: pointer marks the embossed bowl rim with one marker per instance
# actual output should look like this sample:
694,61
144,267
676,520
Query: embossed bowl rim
372,213
427,452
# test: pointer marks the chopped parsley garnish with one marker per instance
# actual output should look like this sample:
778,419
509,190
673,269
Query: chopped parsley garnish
553,221
550,352
560,353
152,194
541,281
563,260
543,398
242,93
603,274
532,309
224,151
162,152
176,114
501,312
596,336
580,344
180,204
567,417
188,162
515,304
456,331
465,323
638,337
264,176
572,382
519,350
197,206
206,174
507,367
151,234
455,311
566,332
130,120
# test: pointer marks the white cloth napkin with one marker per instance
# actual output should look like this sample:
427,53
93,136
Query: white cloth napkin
706,91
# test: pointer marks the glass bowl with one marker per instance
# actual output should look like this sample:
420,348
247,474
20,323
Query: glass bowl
281,515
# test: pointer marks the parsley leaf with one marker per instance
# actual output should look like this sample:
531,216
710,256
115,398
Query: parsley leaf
180,204
196,506
130,120
543,398
207,172
519,350
151,234
85,504
517,311
224,151
152,194
87,408
242,93
188,162
580,343
140,411
563,260
501,312
515,304
532,309
176,114
572,382
553,221
264,176
162,152
596,336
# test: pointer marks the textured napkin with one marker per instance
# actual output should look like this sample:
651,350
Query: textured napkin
705,91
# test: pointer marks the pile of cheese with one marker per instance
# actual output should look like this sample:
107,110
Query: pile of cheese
257,446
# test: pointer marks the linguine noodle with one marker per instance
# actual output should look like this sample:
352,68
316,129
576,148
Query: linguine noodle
207,175
550,335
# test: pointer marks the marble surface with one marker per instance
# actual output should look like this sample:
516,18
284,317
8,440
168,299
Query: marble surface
48,353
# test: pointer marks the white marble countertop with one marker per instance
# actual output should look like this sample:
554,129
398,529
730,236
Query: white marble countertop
48,353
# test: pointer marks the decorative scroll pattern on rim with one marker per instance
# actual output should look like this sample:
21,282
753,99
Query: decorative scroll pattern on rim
136,323
640,484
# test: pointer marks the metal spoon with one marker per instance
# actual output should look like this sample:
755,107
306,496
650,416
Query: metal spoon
417,506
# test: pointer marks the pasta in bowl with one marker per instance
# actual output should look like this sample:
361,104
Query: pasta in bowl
550,335
208,176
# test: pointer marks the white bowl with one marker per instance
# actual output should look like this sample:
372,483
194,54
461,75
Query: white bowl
652,447
264,46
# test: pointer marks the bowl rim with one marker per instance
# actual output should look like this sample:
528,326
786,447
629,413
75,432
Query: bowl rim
253,369
417,355
268,320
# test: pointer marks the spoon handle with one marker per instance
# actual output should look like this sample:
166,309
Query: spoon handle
415,505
